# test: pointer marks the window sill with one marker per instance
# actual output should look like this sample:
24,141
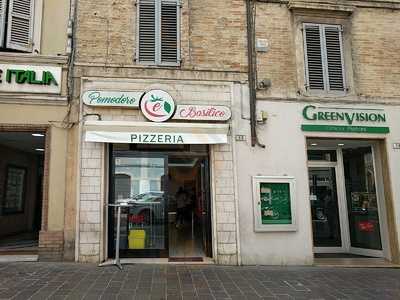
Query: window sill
29,58
307,5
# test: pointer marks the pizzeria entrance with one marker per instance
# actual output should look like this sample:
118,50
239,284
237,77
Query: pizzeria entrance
346,197
167,192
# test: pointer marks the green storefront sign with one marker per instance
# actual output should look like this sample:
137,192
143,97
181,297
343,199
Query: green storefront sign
275,203
339,119
30,77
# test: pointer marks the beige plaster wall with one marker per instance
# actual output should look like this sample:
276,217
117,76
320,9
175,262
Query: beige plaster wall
54,26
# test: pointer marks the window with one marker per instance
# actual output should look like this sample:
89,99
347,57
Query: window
158,32
324,67
16,25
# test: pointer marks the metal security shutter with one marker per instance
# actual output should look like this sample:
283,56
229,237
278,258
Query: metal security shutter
147,30
334,57
20,25
3,9
314,60
169,31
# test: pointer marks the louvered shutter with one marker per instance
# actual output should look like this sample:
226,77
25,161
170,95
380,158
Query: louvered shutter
147,30
3,10
169,31
20,25
313,56
334,57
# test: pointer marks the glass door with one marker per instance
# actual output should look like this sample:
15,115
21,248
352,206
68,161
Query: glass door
140,181
327,235
205,208
362,201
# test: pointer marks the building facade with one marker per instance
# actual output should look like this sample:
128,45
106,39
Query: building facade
34,123
328,110
156,83
167,129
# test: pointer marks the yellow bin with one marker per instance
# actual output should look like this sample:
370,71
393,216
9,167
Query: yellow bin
137,238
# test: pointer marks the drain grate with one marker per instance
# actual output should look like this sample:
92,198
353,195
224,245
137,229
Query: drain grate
185,259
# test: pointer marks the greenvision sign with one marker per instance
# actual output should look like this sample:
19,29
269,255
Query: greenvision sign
30,79
339,119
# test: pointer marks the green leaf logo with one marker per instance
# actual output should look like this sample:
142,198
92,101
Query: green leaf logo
167,107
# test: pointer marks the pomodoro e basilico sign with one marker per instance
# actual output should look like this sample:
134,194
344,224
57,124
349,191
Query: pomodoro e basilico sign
157,105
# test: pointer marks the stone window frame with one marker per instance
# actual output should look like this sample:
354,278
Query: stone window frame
340,18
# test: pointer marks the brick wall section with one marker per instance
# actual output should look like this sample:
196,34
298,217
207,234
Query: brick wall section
374,44
224,202
213,33
51,245
90,202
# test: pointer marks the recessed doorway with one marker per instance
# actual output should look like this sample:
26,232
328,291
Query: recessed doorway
346,197
21,191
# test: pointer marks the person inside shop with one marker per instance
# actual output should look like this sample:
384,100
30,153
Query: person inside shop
181,202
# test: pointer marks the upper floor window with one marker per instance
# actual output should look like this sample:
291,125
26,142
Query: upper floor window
324,63
16,25
158,32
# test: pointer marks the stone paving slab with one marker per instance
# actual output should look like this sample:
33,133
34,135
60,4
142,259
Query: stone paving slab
208,282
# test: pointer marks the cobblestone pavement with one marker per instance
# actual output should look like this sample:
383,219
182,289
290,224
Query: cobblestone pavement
78,281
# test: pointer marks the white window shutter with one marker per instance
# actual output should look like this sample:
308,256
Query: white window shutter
314,62
147,31
3,10
169,31
334,57
20,25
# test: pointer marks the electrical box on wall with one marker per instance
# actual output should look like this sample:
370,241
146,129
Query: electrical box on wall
262,45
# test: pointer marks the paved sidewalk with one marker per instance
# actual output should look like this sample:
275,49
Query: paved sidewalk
78,281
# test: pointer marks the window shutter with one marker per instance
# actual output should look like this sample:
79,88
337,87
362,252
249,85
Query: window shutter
169,31
20,25
313,57
147,31
3,10
334,57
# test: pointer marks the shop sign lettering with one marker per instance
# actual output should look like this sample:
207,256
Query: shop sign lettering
157,105
202,113
30,79
342,119
112,98
153,138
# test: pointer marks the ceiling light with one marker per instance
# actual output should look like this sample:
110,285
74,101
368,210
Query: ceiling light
314,144
38,134
39,149
340,145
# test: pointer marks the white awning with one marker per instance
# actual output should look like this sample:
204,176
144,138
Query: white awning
155,133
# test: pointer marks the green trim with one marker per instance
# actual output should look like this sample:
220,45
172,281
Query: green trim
345,128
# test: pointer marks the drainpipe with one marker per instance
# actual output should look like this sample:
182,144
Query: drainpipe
252,72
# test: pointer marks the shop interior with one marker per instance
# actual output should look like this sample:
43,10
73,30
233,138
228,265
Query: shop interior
21,180
167,192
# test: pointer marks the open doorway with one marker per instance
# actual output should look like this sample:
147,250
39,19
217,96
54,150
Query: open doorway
21,181
188,217
158,221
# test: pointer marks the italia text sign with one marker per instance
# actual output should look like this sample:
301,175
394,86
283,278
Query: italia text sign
344,119
30,79
202,113
112,98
